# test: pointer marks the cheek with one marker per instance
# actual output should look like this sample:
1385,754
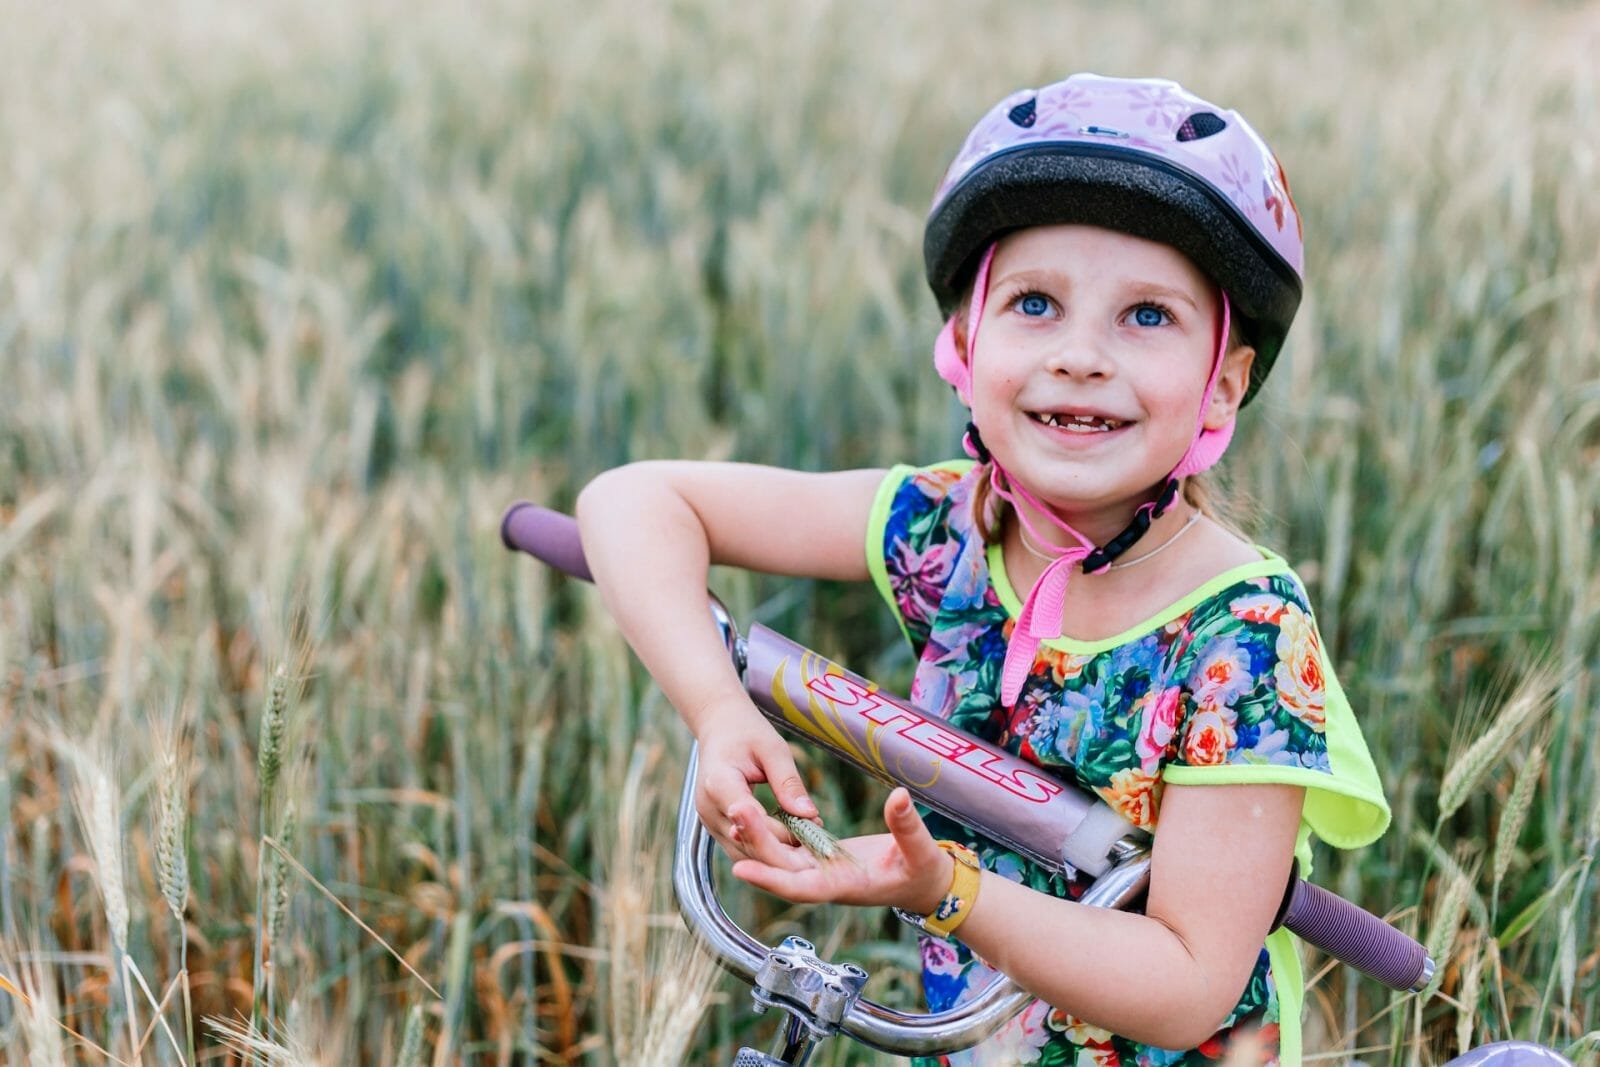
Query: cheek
1176,386
994,384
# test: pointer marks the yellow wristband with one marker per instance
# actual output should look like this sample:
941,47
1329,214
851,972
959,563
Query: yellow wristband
957,903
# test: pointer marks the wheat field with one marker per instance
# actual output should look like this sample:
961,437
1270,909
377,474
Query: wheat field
298,765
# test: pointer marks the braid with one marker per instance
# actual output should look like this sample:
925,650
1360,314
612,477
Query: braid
988,510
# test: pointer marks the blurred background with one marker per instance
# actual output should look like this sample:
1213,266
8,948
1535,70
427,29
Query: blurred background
295,297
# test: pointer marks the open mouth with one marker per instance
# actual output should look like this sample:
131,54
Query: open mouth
1076,423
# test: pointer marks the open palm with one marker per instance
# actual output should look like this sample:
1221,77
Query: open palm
903,868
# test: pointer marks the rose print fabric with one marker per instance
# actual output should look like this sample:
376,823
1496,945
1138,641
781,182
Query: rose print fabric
1228,685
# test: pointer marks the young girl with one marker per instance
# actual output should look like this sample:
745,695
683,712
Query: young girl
1119,262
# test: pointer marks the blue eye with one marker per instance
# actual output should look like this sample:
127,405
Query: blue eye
1033,304
1149,315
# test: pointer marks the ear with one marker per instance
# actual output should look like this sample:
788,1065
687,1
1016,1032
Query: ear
959,334
950,354
1232,381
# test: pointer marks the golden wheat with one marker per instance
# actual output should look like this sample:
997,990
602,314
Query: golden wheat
294,298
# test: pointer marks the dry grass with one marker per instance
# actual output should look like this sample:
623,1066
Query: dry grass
293,298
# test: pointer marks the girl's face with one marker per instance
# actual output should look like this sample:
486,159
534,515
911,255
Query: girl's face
1092,357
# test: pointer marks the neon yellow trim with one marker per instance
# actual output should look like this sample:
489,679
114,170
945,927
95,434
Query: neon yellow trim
1329,810
1261,774
1284,958
1271,564
878,522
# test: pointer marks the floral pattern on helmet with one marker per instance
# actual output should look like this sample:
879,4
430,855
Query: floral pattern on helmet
1145,114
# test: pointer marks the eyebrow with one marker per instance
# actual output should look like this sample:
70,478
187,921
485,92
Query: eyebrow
1143,288
1166,291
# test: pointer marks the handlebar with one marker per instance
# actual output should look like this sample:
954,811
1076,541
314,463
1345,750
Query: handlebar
1321,918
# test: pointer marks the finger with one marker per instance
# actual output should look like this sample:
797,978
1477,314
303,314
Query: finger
725,786
777,763
802,887
759,836
782,832
719,795
712,817
909,831
723,830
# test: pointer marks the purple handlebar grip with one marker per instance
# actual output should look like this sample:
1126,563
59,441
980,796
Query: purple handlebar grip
547,535
1357,937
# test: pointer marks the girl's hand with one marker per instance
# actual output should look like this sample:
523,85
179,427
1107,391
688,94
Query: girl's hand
742,749
904,868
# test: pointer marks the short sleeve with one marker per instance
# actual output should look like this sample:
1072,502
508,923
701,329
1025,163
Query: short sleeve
1260,705
915,537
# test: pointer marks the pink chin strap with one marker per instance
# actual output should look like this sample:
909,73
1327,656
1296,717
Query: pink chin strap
1041,612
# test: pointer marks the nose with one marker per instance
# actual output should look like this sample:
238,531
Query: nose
1080,351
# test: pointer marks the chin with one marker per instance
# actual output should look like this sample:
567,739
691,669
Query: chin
1067,494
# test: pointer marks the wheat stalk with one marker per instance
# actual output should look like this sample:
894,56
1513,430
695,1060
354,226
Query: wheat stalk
1467,998
172,819
274,726
172,857
685,982
627,903
270,881
1449,913
40,1030
817,839
411,1040
97,801
1515,815
253,1045
1531,697
278,877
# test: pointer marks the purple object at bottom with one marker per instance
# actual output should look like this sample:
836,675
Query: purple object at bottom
1511,1054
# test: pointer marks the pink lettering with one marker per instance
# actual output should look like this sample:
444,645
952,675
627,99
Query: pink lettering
999,768
848,693
1028,786
843,691
936,739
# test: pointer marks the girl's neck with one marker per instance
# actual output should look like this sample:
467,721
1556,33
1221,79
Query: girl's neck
1026,559
1099,525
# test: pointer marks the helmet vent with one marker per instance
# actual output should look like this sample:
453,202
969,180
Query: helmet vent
1200,124
1024,113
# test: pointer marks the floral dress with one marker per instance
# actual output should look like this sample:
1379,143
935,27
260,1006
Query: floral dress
1228,685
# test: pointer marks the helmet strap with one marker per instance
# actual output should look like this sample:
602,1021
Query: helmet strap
1040,619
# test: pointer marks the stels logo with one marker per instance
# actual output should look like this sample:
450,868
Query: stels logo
998,768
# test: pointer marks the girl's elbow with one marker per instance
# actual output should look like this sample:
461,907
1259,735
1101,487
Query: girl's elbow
619,485
1191,1028
1176,1030
1192,1032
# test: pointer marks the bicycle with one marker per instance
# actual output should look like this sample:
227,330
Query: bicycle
1015,803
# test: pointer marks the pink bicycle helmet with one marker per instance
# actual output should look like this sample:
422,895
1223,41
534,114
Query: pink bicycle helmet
1147,158
1139,155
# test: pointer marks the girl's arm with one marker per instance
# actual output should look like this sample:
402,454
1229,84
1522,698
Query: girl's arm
1168,978
650,531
